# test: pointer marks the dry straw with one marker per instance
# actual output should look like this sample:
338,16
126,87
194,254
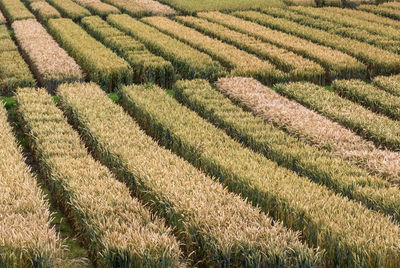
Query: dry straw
14,72
379,61
238,61
97,7
310,127
100,63
70,9
116,228
44,11
26,238
390,84
189,62
51,64
369,96
353,30
351,234
217,227
337,64
147,67
139,8
298,68
15,10
383,131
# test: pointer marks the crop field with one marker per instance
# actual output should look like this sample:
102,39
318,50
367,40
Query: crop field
183,133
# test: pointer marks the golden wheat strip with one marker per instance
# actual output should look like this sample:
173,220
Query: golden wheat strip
128,7
154,7
97,7
239,61
298,202
49,61
298,67
307,3
14,72
2,19
147,67
219,227
357,32
369,96
380,129
335,62
26,236
44,11
100,63
15,10
390,84
310,127
366,16
379,61
381,10
189,62
70,9
117,229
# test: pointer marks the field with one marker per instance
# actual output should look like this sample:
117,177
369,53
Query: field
172,133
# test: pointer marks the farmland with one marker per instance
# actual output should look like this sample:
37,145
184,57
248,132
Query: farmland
171,133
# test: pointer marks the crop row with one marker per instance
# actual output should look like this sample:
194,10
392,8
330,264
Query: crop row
116,230
379,61
337,64
382,11
25,232
139,8
44,11
147,67
299,203
197,207
2,19
369,96
100,63
390,84
187,61
15,10
380,129
51,64
298,68
236,60
14,72
310,127
97,7
70,9
309,18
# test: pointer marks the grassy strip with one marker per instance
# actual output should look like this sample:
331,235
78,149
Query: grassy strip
70,9
299,203
379,61
238,61
298,67
381,11
390,84
366,16
310,127
218,227
100,63
369,96
97,7
189,62
318,165
337,64
44,11
309,17
147,67
26,238
378,128
14,72
117,231
51,64
15,10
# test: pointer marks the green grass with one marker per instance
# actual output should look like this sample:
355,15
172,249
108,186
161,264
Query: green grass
192,6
